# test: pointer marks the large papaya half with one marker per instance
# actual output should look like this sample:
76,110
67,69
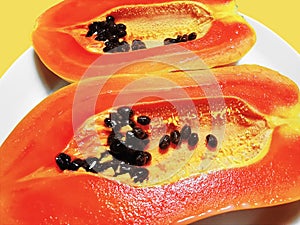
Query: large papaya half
71,36
149,149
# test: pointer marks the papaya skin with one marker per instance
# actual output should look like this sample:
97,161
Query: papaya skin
34,190
226,37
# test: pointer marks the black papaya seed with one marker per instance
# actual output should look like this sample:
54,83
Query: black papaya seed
211,141
76,164
143,120
175,137
110,19
192,36
63,161
193,139
164,142
185,132
126,112
140,133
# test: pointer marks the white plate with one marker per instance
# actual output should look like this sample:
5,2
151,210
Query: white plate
28,81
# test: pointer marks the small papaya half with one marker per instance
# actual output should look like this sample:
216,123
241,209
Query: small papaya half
75,35
207,143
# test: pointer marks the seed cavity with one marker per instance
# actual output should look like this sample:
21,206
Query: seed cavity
110,33
124,155
131,22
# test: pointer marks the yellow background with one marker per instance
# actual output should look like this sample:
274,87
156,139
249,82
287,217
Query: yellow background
17,19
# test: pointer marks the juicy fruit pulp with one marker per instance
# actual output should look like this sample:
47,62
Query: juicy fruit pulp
244,137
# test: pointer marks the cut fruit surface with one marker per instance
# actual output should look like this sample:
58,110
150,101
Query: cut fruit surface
60,36
247,145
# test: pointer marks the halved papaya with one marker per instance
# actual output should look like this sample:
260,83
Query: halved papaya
246,156
65,38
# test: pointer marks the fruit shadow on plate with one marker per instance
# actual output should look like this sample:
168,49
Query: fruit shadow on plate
50,80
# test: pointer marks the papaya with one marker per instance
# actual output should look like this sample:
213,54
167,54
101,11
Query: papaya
154,149
74,36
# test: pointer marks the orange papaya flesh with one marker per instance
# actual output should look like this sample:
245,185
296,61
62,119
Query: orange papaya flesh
37,191
223,36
